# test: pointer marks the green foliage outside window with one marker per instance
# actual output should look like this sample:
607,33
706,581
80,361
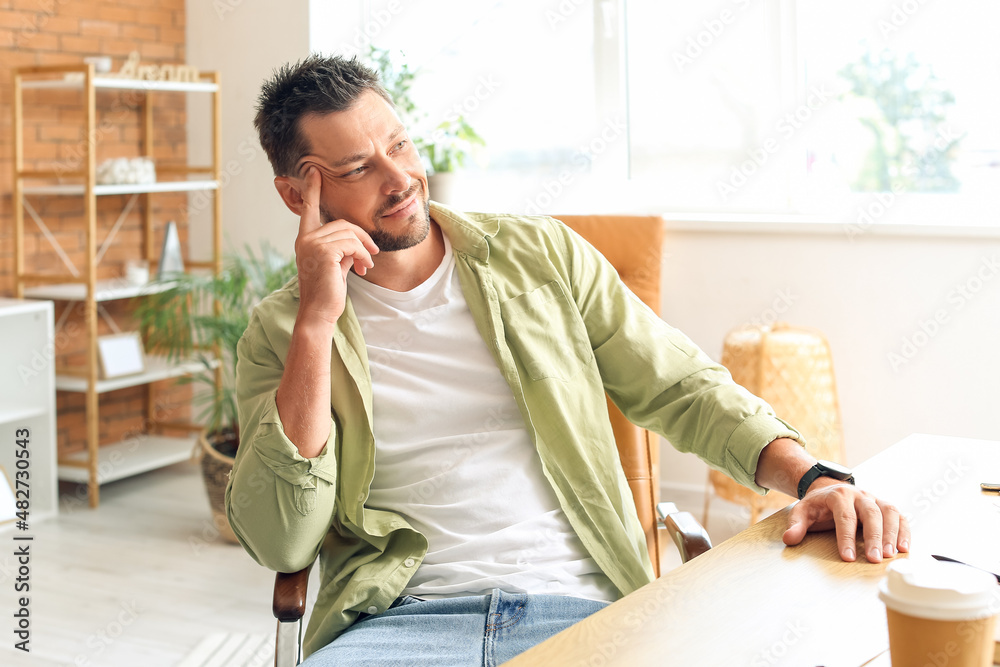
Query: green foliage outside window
912,149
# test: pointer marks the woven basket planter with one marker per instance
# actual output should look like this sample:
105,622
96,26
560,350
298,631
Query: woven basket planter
792,369
215,469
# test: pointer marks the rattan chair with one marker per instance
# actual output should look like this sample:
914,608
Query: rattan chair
633,245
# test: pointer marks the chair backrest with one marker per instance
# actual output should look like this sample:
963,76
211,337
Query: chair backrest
634,246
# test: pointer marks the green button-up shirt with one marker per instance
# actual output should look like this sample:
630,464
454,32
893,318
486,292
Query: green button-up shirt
563,330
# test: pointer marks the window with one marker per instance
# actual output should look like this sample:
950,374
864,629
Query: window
704,98
522,77
859,111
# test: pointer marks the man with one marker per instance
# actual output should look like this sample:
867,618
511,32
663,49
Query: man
423,407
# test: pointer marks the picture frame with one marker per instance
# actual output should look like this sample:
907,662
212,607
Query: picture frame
121,354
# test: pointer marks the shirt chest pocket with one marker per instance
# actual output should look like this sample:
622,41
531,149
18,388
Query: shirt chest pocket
546,333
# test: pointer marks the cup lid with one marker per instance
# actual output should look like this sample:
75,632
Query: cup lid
927,588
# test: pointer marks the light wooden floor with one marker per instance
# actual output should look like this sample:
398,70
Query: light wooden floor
140,581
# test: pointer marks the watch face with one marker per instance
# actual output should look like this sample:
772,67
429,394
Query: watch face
835,469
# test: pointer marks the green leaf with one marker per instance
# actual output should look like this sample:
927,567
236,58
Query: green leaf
210,311
445,147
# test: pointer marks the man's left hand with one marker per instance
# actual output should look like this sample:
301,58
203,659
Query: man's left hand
840,506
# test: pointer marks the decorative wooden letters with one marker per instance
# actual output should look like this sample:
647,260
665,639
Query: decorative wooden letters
134,69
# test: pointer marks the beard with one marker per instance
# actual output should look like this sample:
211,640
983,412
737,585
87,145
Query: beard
416,227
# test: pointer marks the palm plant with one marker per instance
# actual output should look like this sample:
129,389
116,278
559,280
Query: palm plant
203,317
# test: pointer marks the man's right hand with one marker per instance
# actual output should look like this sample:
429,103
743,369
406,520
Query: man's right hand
324,253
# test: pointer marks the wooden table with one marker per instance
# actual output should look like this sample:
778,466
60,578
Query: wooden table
752,601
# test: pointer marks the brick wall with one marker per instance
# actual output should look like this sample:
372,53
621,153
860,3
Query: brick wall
53,32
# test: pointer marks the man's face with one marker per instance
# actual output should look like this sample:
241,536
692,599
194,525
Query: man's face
371,172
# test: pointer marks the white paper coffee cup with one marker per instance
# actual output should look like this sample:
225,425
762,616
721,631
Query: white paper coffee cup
939,613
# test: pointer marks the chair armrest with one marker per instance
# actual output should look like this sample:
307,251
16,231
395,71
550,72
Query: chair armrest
289,603
689,535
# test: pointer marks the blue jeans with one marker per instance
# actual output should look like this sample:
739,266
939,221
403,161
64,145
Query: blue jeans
480,630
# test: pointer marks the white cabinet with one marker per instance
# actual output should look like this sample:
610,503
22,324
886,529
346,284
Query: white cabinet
27,401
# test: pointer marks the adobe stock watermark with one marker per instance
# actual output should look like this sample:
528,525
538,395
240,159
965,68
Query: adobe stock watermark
44,10
461,453
646,611
42,359
78,499
386,355
102,638
498,418
786,128
794,631
543,542
223,7
239,500
200,200
210,533
562,12
486,85
958,298
901,14
870,213
365,34
633,622
585,156
878,205
124,106
783,301
712,30
965,632
931,494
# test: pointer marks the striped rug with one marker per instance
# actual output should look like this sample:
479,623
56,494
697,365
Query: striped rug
231,649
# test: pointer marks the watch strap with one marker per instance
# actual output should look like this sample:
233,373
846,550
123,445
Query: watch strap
815,472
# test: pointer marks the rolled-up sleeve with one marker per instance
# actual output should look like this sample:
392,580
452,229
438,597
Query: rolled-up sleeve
279,503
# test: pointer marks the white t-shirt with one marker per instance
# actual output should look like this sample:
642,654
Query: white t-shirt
453,456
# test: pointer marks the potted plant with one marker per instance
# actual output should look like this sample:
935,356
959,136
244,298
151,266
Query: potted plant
446,151
445,147
203,317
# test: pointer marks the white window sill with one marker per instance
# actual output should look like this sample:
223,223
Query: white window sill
765,223
854,216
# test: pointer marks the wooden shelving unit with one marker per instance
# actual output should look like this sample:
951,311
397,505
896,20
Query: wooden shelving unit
143,452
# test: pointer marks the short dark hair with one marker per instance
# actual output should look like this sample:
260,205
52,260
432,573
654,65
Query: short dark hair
318,84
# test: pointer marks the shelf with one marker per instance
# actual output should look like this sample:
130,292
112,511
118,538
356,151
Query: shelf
15,415
17,306
129,457
123,189
128,84
157,368
107,290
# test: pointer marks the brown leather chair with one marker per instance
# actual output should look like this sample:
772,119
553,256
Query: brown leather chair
634,246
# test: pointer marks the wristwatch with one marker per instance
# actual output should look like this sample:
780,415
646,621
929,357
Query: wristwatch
824,469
